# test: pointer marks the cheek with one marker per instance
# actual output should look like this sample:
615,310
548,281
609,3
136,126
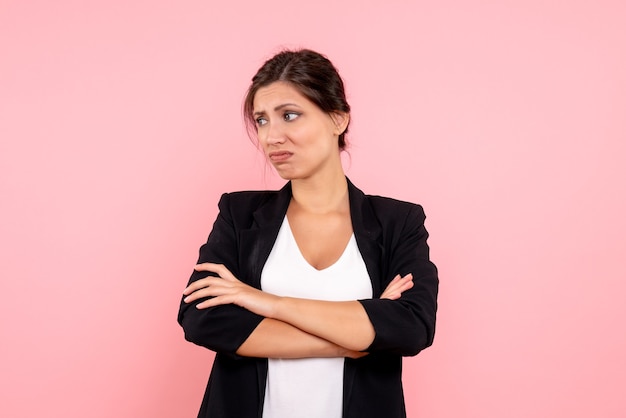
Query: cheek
261,138
313,134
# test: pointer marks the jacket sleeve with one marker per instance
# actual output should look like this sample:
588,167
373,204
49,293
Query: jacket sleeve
221,328
407,325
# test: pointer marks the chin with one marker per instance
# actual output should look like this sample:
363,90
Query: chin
285,176
289,175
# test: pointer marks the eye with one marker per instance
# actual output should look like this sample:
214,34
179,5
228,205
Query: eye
260,121
290,116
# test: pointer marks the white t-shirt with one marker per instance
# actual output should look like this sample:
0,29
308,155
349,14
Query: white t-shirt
313,387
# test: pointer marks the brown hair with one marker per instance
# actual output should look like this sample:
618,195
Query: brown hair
311,73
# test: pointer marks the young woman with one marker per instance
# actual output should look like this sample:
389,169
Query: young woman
309,295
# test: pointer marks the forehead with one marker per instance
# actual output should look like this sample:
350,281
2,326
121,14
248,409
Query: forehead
277,93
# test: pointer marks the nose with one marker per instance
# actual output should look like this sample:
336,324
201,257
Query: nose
273,134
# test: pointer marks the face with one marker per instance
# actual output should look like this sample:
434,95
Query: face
298,138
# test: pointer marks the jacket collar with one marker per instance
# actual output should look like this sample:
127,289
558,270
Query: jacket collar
273,211
364,222
367,231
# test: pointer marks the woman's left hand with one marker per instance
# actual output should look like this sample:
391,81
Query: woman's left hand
227,289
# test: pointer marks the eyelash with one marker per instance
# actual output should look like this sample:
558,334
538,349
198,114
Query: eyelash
287,117
287,114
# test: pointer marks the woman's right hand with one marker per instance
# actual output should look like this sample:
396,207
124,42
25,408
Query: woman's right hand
398,285
393,291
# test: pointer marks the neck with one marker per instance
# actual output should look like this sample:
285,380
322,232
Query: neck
322,194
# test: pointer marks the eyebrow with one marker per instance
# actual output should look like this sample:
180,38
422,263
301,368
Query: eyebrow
276,109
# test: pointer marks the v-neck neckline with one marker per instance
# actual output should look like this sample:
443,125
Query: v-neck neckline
292,237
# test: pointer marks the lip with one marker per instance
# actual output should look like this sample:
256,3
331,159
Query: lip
279,156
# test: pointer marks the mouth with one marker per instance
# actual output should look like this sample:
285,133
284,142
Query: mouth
279,156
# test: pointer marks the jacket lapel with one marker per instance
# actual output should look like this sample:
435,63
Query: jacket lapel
257,241
255,246
367,231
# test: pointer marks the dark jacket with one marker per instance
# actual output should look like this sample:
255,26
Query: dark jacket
391,237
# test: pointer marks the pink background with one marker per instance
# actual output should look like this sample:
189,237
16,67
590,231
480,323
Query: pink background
120,127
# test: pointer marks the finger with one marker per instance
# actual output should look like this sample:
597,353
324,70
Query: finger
395,280
392,283
398,279
198,294
399,282
403,281
216,289
408,285
212,267
399,291
206,266
219,269
198,284
405,284
397,286
216,301
203,283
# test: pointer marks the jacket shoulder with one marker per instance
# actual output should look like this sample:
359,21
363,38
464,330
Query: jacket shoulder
250,197
386,205
240,206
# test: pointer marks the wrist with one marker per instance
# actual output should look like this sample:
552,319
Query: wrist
277,308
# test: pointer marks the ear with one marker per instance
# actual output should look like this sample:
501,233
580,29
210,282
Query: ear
341,120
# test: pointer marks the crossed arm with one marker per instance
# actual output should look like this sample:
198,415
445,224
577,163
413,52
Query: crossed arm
292,327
